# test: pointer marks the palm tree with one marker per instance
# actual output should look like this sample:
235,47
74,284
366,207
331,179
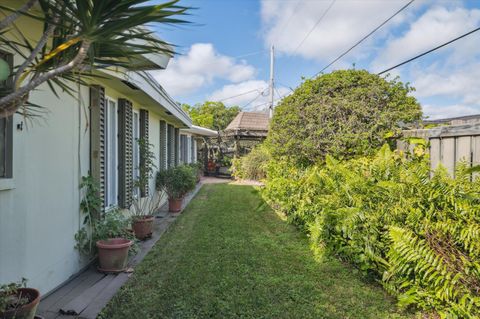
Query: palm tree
79,36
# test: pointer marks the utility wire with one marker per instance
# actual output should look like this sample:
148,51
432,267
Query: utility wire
241,94
429,51
294,11
256,98
314,26
365,37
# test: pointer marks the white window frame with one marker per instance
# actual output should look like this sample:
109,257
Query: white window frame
136,150
111,176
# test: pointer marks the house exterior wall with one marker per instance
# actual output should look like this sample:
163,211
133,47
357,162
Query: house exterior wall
39,206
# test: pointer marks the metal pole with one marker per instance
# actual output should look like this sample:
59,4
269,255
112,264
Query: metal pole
272,84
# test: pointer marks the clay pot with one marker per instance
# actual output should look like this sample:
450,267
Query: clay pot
113,254
143,227
175,205
26,311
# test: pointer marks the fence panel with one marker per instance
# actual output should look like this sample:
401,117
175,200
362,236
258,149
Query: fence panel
449,144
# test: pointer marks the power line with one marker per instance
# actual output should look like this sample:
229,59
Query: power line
365,37
314,26
241,94
256,98
429,51
288,20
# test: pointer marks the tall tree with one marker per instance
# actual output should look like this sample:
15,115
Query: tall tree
344,113
78,37
213,115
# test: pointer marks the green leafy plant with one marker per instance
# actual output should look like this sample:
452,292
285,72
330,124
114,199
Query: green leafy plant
9,297
345,114
253,165
98,226
213,115
416,231
176,181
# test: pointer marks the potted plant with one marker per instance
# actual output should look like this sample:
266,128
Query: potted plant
17,301
176,182
106,235
197,170
144,207
113,241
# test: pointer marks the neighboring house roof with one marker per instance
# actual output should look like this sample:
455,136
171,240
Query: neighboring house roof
249,123
456,120
202,131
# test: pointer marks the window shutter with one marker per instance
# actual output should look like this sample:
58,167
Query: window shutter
171,146
163,145
125,152
143,136
177,146
192,149
97,138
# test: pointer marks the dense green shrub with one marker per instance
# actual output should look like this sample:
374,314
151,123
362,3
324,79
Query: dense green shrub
419,234
253,165
177,181
344,113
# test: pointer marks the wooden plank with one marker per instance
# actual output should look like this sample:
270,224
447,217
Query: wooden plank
434,153
92,279
101,300
59,294
448,154
77,305
463,149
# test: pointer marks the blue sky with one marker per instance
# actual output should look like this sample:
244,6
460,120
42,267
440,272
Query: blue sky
224,52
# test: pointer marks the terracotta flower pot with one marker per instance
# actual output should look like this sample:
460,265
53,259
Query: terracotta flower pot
113,254
26,311
143,227
175,205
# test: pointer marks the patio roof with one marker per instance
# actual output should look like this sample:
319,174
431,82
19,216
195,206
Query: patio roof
249,124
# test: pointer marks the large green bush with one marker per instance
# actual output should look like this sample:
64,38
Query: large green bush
344,113
418,234
253,165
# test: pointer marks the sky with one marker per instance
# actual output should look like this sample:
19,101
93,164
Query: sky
223,54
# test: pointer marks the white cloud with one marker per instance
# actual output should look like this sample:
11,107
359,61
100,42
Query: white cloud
435,112
286,23
433,28
200,67
257,99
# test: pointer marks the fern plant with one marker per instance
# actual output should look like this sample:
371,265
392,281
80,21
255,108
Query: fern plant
416,231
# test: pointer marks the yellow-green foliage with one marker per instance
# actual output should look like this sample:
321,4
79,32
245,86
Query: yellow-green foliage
419,234
253,165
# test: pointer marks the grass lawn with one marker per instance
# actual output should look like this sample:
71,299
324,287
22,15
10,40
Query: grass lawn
227,258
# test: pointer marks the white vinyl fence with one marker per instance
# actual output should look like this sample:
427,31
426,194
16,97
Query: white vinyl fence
450,144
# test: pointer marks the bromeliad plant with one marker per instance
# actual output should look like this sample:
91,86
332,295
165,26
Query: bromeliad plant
78,37
145,205
147,201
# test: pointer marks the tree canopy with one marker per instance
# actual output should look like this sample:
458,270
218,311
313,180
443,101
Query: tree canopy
344,113
213,115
